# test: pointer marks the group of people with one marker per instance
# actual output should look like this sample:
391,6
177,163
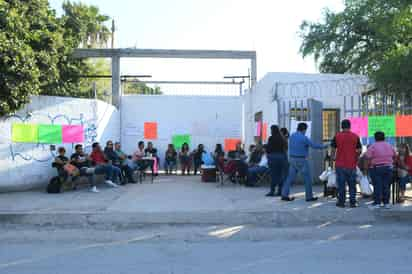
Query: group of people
117,166
283,157
289,156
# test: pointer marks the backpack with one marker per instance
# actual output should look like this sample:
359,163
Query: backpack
55,185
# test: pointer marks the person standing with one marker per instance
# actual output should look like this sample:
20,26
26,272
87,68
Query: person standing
299,145
276,150
285,170
381,155
346,148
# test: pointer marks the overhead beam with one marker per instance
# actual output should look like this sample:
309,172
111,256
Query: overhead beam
164,53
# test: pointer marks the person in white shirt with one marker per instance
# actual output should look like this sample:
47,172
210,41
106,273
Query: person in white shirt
260,168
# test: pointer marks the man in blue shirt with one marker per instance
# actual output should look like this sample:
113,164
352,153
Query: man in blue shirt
298,152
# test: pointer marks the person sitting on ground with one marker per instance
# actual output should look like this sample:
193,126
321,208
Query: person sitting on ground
381,155
237,163
260,168
100,162
82,161
60,161
185,159
170,159
219,157
404,163
252,149
197,158
119,159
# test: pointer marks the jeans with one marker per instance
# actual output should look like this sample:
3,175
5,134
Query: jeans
111,172
403,181
343,176
170,165
277,163
253,172
383,179
298,165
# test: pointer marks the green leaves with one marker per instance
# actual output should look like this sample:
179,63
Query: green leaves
36,48
370,37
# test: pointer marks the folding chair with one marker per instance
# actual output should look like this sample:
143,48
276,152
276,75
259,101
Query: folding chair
264,178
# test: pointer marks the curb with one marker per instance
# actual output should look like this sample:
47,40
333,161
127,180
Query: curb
111,219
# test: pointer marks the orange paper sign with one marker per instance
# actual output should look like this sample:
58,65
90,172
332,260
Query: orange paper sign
150,131
404,126
265,132
230,144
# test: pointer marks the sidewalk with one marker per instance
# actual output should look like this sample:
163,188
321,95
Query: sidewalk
184,200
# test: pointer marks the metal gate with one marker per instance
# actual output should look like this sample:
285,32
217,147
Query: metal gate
305,110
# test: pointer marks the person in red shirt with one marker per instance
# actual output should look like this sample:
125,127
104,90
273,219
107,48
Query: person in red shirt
346,150
102,166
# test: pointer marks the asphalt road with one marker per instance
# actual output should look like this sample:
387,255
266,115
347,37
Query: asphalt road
207,249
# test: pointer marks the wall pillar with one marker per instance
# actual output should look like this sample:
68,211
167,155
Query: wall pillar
116,81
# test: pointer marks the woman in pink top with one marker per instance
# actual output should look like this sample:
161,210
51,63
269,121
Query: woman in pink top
381,156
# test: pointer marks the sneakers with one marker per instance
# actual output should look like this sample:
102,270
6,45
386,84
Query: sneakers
374,206
387,206
94,189
110,183
313,199
288,199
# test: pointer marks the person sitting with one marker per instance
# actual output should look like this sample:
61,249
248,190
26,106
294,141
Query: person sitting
82,161
101,165
197,158
219,157
237,165
150,151
170,159
255,156
60,161
119,159
260,168
252,149
185,159
404,163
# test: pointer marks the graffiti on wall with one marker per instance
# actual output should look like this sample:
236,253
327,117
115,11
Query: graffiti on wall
44,152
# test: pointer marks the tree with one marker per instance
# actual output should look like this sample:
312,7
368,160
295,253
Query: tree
30,44
137,87
82,26
369,37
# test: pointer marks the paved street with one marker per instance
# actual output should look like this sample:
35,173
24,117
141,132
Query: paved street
208,249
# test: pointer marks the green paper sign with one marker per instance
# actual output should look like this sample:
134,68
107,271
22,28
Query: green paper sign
50,134
386,124
24,133
179,140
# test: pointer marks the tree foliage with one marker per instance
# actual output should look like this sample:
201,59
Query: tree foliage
36,48
369,37
31,43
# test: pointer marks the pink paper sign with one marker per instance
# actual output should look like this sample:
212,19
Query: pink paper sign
73,134
359,125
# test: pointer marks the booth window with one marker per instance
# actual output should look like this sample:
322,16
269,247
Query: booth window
330,120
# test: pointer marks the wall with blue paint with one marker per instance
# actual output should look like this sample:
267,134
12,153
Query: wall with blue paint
28,166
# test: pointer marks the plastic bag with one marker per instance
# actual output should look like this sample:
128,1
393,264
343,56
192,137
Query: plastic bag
331,179
365,187
324,176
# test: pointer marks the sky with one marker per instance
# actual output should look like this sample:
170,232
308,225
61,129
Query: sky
270,27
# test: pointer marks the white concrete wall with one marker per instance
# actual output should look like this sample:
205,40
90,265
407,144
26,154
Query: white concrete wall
210,119
27,166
